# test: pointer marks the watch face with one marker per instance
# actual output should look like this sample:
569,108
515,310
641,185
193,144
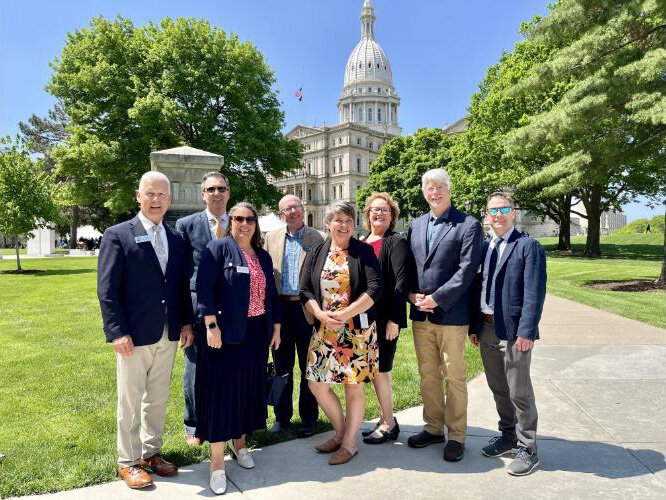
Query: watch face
211,325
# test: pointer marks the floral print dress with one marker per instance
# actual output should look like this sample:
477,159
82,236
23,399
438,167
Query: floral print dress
347,355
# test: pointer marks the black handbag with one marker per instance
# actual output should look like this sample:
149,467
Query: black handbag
275,384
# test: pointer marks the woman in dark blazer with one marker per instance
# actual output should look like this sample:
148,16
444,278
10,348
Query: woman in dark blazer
397,266
238,301
340,283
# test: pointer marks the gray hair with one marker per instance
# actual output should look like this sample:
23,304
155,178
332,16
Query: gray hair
153,174
437,175
215,174
337,207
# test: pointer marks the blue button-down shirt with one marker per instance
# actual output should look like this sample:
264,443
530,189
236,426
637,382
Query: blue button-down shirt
290,262
435,225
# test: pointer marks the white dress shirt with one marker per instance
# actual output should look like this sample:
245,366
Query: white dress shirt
148,226
485,308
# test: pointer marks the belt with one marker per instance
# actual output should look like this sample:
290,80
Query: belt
290,298
488,318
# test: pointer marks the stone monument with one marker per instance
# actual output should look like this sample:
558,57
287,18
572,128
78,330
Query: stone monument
42,243
185,166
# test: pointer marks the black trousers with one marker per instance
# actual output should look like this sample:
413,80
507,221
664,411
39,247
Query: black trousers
295,335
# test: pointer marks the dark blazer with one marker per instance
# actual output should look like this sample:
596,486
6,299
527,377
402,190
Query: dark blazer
364,275
224,292
520,289
134,294
447,271
196,232
398,273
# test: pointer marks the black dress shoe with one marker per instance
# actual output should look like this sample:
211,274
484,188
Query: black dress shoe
454,451
278,427
367,432
306,430
391,434
423,439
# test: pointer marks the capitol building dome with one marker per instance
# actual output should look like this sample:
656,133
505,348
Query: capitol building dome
368,96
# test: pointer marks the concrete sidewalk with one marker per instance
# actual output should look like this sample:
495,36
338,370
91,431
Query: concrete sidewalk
600,383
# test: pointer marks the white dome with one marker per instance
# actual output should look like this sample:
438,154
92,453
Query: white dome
367,62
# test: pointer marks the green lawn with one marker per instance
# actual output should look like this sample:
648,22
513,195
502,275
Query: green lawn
625,257
57,389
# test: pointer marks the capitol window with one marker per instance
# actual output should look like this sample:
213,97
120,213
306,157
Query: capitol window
358,141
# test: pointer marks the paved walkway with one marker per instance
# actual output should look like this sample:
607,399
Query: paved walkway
600,383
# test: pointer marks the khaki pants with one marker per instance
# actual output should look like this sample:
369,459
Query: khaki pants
143,389
440,354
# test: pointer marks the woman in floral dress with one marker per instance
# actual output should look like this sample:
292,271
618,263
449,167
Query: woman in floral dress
340,283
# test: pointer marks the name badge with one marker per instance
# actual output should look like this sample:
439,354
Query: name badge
142,239
243,269
364,320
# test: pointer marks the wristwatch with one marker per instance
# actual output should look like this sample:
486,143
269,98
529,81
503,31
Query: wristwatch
212,325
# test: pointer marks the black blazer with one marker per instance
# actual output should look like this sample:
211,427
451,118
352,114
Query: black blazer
196,232
364,275
133,293
224,292
398,270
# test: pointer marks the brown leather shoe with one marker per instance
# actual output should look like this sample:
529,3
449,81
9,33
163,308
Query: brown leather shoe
328,447
192,440
159,466
135,477
342,456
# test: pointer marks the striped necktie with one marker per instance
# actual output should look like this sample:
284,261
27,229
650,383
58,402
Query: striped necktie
218,230
159,248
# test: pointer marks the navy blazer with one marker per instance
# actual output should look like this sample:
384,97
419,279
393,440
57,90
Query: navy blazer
520,289
133,293
196,232
224,292
447,271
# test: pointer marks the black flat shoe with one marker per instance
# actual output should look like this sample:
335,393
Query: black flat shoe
366,432
391,434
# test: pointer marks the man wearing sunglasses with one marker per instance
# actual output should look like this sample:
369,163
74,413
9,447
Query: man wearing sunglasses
198,229
288,248
509,294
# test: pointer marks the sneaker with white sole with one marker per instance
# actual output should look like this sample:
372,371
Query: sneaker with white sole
242,456
218,481
524,463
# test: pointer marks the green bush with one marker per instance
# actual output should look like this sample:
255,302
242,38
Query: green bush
638,226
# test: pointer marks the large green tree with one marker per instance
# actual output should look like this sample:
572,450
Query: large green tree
27,193
606,134
131,90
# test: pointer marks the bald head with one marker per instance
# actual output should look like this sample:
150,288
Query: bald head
291,211
153,176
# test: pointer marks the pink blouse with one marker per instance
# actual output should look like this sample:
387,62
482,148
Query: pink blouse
257,286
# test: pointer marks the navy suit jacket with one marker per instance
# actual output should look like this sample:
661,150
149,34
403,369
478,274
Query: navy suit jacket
520,289
447,271
196,232
224,292
133,293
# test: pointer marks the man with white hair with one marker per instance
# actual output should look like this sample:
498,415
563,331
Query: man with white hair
446,245
143,290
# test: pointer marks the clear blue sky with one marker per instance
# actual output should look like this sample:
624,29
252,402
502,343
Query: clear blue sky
439,49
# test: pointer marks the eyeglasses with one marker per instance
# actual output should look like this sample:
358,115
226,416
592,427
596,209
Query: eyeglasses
293,208
250,219
502,210
153,196
219,189
380,210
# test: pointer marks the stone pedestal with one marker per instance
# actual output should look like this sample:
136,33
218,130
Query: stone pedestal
185,166
43,243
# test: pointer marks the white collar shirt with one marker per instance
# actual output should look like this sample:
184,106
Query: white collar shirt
485,308
224,221
148,226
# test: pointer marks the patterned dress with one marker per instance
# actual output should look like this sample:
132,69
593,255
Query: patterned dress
347,355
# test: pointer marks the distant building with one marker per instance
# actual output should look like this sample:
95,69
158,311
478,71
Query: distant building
336,159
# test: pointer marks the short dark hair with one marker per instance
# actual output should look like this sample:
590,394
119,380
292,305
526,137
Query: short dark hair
257,239
216,174
500,194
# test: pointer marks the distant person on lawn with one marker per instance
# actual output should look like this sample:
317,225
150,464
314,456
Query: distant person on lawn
509,295
143,290
647,228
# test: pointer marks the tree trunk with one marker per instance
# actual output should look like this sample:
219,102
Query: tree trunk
592,202
564,212
662,276
73,226
18,259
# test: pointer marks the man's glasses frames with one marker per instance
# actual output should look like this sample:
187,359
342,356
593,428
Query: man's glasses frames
502,210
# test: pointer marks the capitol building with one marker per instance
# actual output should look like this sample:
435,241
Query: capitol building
336,159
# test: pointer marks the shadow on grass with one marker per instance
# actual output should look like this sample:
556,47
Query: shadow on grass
65,272
626,252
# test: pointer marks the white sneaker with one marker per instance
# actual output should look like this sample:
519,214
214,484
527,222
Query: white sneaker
242,456
218,481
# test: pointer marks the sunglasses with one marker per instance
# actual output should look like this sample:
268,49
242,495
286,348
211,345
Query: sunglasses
502,210
250,219
219,189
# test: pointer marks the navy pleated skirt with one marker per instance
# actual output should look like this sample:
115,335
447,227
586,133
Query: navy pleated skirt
230,386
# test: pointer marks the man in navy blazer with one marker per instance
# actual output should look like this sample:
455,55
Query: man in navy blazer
446,245
144,297
197,230
508,301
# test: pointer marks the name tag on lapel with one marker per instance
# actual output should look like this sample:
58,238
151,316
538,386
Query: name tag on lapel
243,269
142,239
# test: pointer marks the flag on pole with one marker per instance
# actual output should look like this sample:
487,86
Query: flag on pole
299,94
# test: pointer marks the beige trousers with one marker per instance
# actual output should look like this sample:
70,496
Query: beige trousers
143,389
440,355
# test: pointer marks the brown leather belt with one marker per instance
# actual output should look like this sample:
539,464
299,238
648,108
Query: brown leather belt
289,298
488,318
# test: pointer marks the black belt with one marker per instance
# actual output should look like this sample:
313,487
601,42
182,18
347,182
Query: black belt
488,318
290,298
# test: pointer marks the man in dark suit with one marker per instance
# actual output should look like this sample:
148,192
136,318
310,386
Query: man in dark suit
144,296
288,248
197,230
508,301
446,245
